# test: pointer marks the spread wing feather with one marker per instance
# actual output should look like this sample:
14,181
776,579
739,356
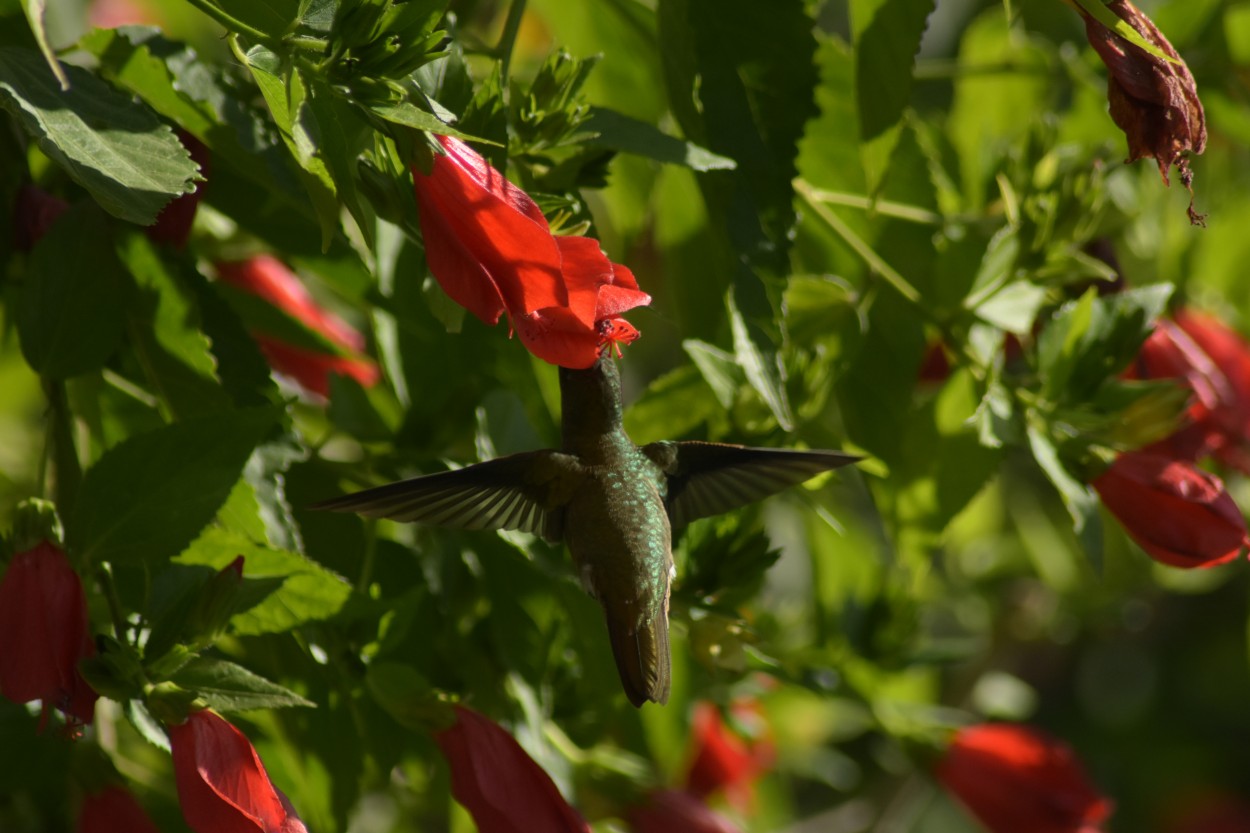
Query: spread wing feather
706,479
524,492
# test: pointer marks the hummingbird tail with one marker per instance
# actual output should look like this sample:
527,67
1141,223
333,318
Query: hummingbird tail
642,658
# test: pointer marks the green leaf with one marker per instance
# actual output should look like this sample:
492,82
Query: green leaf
129,161
69,317
673,405
1079,499
309,591
229,687
164,319
760,366
147,497
887,36
1094,339
410,115
35,12
1014,307
202,99
284,92
620,132
340,136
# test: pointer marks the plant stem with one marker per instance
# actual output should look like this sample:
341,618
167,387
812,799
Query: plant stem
104,577
857,244
66,470
507,40
233,24
897,210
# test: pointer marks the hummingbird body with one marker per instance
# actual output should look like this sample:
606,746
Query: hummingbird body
617,529
613,504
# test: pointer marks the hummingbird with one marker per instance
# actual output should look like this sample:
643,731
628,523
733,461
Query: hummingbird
614,504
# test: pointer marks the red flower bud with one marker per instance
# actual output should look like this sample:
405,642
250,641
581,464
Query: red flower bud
44,632
491,250
1018,780
723,760
1179,514
270,279
113,810
312,370
674,811
222,784
499,783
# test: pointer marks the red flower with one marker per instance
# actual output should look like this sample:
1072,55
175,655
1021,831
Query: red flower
723,760
311,369
490,248
44,632
270,279
113,810
498,783
675,811
1018,780
1214,363
1179,514
222,785
173,224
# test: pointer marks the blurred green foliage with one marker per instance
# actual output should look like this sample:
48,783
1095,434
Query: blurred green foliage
815,214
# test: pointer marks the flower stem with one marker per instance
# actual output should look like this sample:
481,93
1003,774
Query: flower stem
233,24
66,470
104,577
507,40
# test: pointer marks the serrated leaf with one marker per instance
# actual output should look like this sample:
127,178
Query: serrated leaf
309,592
229,687
147,497
173,351
887,36
620,132
116,148
199,97
70,314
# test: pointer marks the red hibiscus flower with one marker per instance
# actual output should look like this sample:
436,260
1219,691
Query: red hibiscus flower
1214,363
44,632
676,811
270,279
222,785
1177,513
490,248
723,759
1018,780
113,810
499,783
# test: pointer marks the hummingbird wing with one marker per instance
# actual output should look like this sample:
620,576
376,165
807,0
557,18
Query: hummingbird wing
525,492
706,479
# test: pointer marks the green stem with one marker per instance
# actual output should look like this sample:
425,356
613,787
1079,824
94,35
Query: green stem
508,39
858,244
66,470
104,577
897,210
366,563
233,24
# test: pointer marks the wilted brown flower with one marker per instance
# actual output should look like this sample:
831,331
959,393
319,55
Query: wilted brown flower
1155,102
